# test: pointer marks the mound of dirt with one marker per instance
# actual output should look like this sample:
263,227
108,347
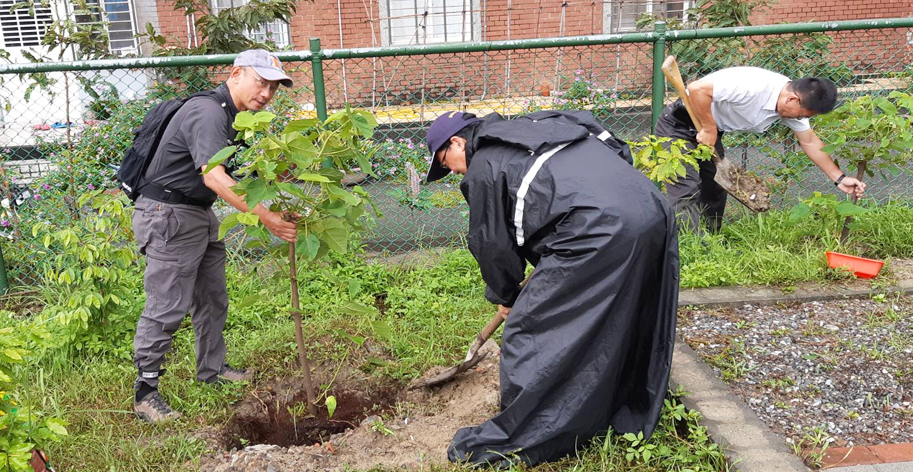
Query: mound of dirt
413,435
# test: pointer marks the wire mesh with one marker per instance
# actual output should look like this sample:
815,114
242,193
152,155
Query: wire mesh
62,132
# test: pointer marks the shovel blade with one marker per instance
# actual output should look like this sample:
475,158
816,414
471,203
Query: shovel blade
749,190
448,374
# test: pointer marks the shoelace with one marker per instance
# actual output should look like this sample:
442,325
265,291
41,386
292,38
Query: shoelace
159,405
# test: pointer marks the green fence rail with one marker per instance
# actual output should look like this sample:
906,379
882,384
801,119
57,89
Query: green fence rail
64,124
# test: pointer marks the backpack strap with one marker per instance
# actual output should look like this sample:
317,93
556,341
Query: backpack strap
163,194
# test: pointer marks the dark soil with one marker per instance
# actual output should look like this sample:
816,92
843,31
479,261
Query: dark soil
747,188
277,414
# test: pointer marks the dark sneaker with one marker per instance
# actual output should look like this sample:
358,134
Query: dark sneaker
153,409
234,375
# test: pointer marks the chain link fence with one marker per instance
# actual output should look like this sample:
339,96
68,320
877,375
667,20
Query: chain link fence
65,126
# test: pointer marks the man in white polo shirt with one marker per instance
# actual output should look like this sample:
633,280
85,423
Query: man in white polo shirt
745,99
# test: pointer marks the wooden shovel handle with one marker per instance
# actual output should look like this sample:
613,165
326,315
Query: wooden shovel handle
670,70
491,327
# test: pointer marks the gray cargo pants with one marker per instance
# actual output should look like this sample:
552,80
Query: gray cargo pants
696,196
185,272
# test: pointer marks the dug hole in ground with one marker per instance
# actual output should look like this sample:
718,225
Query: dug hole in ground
361,434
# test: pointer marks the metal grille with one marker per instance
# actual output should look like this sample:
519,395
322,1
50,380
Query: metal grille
20,28
275,31
621,15
405,22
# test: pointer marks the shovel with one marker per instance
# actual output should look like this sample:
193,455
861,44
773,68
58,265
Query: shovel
473,356
749,190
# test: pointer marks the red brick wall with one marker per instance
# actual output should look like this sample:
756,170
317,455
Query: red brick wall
404,80
172,24
793,11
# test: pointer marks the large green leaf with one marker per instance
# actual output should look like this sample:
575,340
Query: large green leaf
56,426
364,122
339,193
847,208
382,330
291,189
357,309
335,234
311,246
886,106
337,208
228,223
248,219
300,125
259,190
308,177
220,157
301,151
799,213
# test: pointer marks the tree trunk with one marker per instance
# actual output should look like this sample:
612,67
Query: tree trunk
860,173
299,334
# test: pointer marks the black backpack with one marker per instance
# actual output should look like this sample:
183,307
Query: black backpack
146,140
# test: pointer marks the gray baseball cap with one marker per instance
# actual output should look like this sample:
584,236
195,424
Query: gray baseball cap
265,63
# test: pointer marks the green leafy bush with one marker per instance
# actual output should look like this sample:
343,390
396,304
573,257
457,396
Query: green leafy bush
583,93
871,133
88,267
22,427
663,160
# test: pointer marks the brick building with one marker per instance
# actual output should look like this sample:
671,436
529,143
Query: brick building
625,68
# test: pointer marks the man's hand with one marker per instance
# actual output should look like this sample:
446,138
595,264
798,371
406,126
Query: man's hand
707,136
852,186
273,221
503,311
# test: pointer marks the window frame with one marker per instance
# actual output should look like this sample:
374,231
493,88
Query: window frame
262,31
99,13
610,7
16,20
388,37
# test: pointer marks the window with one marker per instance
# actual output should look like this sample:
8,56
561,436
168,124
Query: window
121,25
19,28
620,16
428,21
275,31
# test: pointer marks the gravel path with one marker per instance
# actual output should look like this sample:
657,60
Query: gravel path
841,370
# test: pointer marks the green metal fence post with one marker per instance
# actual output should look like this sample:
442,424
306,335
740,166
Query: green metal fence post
320,93
659,83
4,283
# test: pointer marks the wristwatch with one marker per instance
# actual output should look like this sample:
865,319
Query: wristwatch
839,179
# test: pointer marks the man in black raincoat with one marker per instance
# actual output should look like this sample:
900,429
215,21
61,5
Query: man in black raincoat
588,342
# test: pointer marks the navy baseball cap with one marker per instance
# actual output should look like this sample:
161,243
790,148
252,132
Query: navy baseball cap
439,134
265,63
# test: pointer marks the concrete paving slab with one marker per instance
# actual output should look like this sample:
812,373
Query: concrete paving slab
894,467
855,468
746,440
737,296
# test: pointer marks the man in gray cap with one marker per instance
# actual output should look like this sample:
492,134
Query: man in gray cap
177,230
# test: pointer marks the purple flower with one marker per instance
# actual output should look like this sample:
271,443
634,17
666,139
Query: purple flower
46,186
411,146
5,223
37,197
91,187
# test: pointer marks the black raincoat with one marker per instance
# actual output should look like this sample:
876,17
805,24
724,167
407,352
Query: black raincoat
588,343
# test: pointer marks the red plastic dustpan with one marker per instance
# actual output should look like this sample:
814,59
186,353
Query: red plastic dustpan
862,267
